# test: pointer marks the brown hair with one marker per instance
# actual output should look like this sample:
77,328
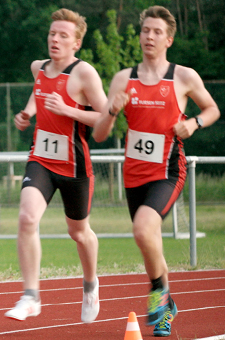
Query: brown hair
78,20
163,13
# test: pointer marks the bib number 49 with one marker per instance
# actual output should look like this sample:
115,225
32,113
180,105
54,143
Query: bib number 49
148,146
144,146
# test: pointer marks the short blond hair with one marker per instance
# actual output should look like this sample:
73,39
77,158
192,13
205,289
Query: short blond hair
163,13
76,18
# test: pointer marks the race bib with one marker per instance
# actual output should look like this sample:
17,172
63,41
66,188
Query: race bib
51,145
145,146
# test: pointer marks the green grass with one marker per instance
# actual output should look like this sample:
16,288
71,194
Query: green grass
60,257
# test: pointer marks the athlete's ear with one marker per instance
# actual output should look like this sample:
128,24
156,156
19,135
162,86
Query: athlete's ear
169,41
77,45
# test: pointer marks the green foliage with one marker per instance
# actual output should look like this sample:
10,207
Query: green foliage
23,37
109,52
132,53
111,44
112,54
192,53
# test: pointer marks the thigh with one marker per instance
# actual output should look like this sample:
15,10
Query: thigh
135,198
161,196
39,177
158,195
77,196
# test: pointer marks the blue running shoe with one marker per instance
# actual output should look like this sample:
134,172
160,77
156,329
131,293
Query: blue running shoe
157,305
163,328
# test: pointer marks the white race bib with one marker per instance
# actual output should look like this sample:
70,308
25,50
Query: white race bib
145,146
51,145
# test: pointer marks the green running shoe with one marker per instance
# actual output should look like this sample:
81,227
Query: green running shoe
163,328
157,305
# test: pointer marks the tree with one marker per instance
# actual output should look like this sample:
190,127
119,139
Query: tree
23,36
112,55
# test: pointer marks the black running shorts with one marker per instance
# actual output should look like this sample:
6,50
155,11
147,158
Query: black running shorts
76,193
158,195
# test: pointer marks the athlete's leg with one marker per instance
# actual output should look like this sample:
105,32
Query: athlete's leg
32,207
36,192
87,245
148,205
148,236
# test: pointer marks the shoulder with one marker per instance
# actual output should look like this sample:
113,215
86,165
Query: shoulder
36,65
186,75
187,81
121,78
123,74
84,69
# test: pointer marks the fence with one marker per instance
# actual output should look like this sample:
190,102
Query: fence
11,158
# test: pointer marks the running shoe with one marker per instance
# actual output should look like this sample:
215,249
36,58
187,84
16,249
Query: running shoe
90,306
163,328
26,306
157,305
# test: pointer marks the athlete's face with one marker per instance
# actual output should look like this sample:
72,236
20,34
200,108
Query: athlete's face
61,40
154,37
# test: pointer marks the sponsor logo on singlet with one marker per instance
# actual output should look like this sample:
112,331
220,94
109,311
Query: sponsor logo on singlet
133,90
38,93
150,103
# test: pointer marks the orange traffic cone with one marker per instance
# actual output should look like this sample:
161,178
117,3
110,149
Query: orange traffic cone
133,330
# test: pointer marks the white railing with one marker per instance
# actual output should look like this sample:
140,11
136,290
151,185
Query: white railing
12,157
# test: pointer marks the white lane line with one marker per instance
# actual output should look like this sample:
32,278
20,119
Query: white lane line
113,285
124,298
216,337
97,321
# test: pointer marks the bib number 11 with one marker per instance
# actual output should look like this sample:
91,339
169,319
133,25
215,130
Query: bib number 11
51,145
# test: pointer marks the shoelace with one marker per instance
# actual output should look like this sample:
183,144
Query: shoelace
165,323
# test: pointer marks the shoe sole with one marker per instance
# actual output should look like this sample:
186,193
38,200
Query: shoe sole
22,319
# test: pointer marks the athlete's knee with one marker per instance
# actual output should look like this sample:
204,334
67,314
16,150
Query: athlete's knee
78,233
28,222
146,232
141,233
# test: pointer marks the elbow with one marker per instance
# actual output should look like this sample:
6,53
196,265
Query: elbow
218,114
98,138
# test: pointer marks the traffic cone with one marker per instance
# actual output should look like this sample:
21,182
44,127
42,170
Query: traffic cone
133,330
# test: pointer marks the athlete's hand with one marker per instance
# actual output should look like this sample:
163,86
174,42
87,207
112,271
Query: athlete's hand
22,120
120,100
55,103
185,129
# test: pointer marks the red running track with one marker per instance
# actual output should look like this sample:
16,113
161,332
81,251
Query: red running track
199,295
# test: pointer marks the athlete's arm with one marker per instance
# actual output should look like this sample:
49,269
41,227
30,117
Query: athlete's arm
195,89
22,119
117,99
